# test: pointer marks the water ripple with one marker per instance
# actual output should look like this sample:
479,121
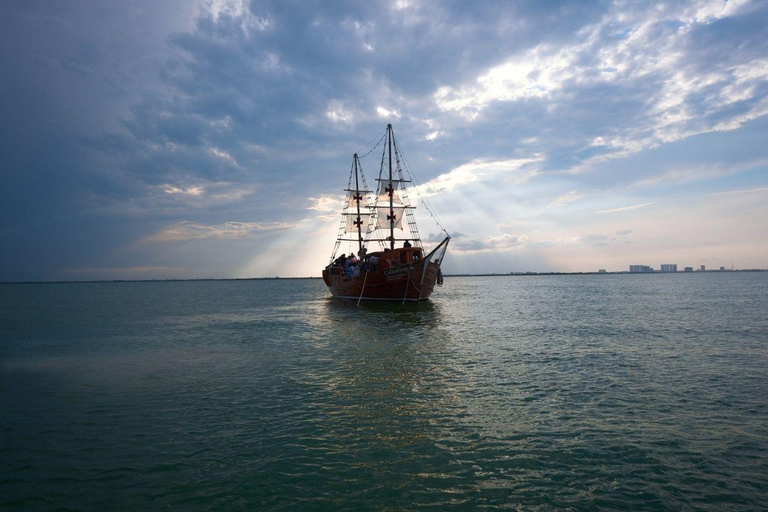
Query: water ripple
536,393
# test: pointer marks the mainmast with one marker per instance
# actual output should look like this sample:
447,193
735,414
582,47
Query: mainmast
391,194
359,223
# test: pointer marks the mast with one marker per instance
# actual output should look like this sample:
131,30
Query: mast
391,194
358,221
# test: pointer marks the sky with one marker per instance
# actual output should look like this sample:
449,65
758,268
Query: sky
213,138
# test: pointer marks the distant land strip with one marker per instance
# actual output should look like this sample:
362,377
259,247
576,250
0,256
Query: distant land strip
508,274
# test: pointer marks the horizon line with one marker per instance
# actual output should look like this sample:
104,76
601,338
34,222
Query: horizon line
486,274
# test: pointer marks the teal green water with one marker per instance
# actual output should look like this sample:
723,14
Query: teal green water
615,392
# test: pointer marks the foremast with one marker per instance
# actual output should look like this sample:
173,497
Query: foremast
358,198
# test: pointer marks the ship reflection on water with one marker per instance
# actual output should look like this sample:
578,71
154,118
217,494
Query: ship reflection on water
383,390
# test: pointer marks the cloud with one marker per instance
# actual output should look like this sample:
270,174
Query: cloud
383,112
502,242
593,240
538,74
338,113
743,191
699,172
328,207
225,156
226,231
197,195
625,208
567,198
506,241
193,190
631,52
326,203
512,171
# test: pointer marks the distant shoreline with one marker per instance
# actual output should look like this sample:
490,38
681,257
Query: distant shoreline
277,278
618,272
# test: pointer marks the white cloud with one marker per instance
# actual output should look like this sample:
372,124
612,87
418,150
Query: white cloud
272,62
383,112
708,11
338,113
226,231
203,194
629,46
625,208
537,74
464,244
514,170
194,190
328,207
564,199
743,191
592,240
504,241
363,31
699,172
235,9
220,153
326,203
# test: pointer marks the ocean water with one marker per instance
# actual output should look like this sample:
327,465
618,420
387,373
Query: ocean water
594,392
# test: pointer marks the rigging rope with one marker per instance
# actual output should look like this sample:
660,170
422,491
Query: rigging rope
380,136
363,288
416,187
369,206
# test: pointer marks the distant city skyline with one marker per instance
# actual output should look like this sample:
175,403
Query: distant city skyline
672,267
212,138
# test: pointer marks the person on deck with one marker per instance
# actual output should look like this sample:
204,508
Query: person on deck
407,243
339,262
350,264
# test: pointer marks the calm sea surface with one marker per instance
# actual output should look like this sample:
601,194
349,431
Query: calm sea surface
613,392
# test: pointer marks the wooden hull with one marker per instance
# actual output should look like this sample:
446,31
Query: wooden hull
403,282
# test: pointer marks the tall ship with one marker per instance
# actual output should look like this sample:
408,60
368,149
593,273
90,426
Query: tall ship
385,258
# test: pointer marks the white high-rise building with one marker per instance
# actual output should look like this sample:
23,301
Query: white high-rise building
669,267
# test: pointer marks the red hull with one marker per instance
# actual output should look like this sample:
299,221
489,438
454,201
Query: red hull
402,282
